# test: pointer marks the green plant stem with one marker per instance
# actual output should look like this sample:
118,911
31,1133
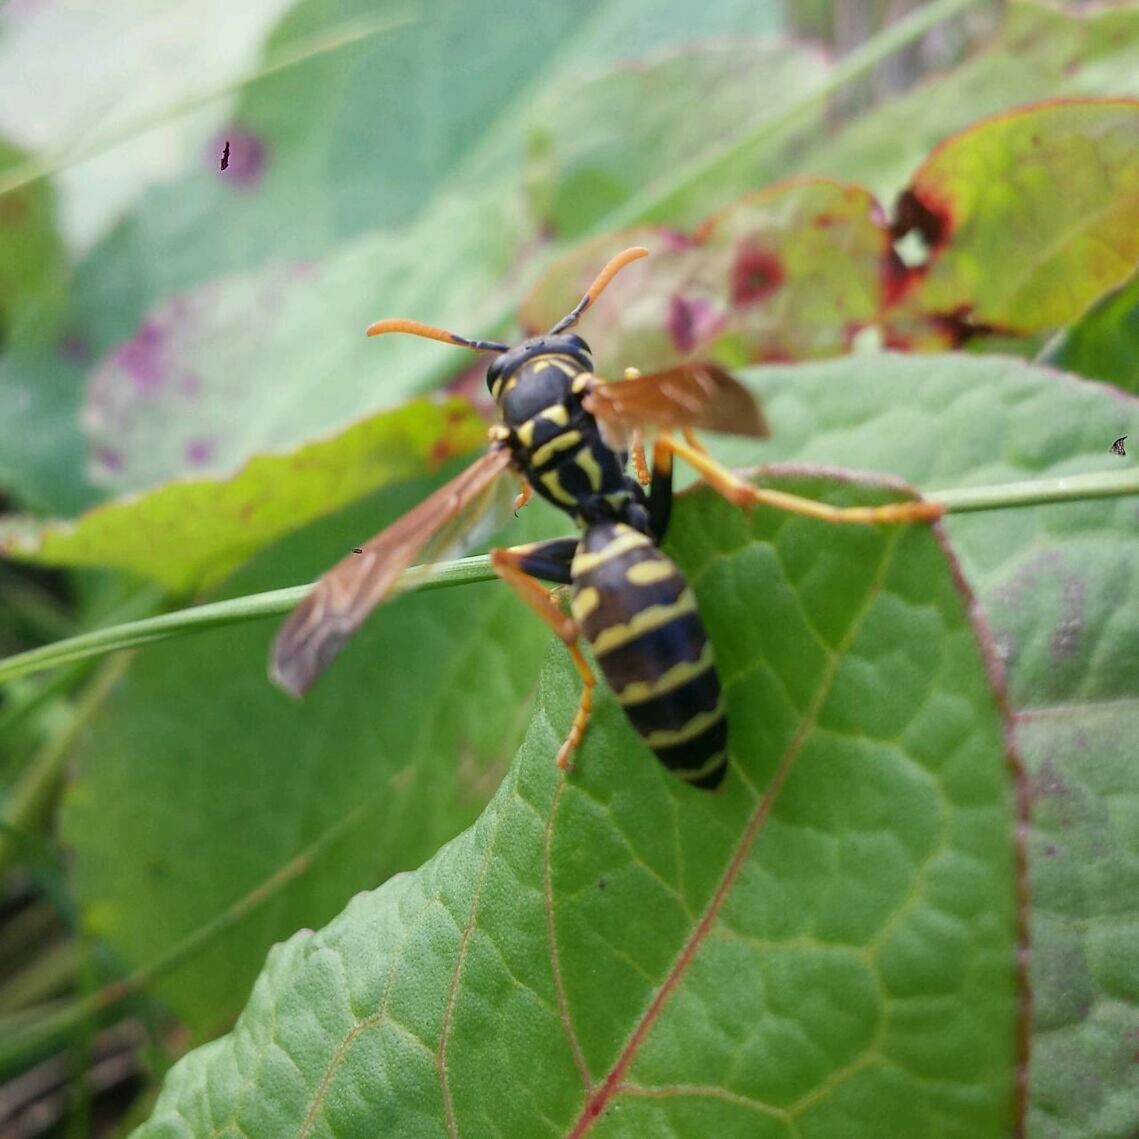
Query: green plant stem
1038,492
28,799
132,634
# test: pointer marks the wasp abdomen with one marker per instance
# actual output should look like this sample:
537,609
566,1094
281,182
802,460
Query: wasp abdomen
639,616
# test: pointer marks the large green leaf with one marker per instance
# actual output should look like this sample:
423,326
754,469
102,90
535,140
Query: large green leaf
1029,216
202,782
189,534
826,947
1057,584
941,421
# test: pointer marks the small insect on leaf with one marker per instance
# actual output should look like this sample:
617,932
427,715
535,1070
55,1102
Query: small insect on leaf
1117,448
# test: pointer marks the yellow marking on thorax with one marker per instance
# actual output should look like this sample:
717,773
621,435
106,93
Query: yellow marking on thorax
588,463
669,737
638,691
562,442
653,617
557,414
564,364
625,541
649,573
553,484
584,602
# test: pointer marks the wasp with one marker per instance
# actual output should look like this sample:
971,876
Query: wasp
568,435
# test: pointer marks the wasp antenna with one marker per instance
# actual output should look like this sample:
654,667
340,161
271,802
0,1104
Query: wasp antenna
595,290
429,332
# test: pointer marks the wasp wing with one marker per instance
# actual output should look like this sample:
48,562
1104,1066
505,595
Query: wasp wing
700,395
344,596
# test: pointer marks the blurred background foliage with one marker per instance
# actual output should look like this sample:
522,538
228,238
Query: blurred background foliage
181,345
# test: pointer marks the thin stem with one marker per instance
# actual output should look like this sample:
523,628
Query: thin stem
33,791
1038,492
1074,488
133,634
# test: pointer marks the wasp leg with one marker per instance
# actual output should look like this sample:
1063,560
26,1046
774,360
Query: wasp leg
516,566
637,451
735,490
522,498
660,492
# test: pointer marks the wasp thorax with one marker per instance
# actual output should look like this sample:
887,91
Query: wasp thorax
510,361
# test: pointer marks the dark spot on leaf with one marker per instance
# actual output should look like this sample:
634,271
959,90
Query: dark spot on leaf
108,459
673,240
14,208
959,328
246,158
1051,851
1048,783
923,216
897,278
1117,448
198,452
441,451
225,156
755,275
601,883
75,349
1066,635
824,221
690,321
142,357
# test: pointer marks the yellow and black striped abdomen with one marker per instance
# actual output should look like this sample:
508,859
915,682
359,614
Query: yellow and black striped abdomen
639,616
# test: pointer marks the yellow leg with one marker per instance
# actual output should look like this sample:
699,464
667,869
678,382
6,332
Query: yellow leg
735,490
640,463
523,496
507,564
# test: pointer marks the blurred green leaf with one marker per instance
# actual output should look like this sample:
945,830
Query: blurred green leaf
1104,343
1029,216
75,76
787,273
31,257
829,944
189,534
1040,52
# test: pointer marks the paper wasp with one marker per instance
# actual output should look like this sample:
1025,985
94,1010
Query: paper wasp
567,433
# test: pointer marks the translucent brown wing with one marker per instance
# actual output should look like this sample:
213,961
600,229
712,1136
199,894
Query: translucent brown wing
340,601
699,395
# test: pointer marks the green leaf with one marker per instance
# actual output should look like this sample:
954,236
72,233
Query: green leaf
189,534
829,944
788,273
1039,52
173,57
1029,216
31,254
1104,343
1056,585
395,751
